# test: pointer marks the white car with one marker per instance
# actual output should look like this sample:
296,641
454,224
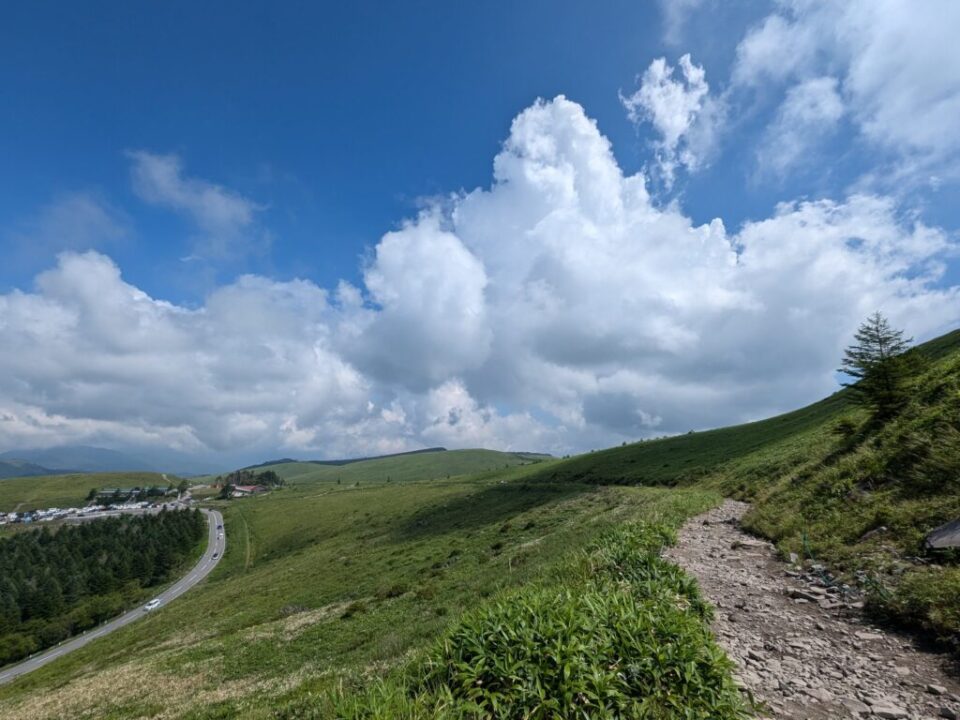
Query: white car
152,605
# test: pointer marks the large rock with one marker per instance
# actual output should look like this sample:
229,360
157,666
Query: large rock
945,536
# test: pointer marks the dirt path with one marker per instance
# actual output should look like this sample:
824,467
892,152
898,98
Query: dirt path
798,649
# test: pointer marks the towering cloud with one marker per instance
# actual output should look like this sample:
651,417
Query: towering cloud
673,107
559,308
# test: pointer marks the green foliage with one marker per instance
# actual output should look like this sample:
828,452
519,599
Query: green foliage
866,502
619,633
266,478
880,366
928,598
55,584
845,429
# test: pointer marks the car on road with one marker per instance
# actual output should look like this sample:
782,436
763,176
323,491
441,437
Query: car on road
216,555
152,605
219,527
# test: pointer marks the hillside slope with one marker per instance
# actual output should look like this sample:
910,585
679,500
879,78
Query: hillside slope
352,600
833,487
686,458
344,461
69,490
402,468
324,589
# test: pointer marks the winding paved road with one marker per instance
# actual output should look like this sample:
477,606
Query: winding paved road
216,544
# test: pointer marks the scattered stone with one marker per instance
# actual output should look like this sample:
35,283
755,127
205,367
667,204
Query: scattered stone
943,537
796,659
873,533
820,694
855,706
747,542
889,711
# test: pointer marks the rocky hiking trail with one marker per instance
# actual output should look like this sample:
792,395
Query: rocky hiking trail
802,649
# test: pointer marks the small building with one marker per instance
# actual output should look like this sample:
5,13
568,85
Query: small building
114,494
245,490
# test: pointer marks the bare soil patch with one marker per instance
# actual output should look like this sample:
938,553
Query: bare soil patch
802,649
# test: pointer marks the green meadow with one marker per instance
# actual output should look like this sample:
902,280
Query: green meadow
402,468
29,493
325,585
477,584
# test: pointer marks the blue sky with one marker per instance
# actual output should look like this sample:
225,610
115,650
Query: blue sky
331,170
336,119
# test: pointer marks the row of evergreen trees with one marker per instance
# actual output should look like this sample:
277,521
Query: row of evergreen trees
54,584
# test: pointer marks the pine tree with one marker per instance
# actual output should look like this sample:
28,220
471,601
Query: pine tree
877,362
9,612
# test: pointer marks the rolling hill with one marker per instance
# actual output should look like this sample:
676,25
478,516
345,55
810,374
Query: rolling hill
68,489
343,600
403,467
830,485
346,461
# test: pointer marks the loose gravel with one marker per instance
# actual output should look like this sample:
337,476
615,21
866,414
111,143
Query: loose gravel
802,646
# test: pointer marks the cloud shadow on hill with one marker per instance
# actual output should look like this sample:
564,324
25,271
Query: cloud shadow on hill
492,504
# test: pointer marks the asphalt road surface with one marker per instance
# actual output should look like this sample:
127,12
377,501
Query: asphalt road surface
217,543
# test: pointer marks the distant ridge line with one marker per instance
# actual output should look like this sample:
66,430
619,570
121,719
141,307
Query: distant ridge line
348,461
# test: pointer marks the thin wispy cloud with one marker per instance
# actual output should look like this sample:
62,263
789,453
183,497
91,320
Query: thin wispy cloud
225,220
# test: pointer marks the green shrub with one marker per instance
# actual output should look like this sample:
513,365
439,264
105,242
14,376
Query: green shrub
928,598
621,633
16,646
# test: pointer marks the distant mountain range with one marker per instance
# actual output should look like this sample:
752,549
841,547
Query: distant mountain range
68,458
347,461
22,468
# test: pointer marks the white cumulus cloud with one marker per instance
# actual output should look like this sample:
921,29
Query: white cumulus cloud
673,105
897,66
559,308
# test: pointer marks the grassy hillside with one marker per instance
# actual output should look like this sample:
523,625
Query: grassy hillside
325,588
403,468
863,499
377,599
859,501
29,493
346,461
685,458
